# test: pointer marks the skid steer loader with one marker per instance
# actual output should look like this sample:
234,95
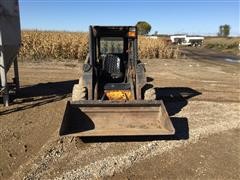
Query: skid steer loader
111,98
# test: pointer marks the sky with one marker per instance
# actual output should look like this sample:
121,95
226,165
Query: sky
201,17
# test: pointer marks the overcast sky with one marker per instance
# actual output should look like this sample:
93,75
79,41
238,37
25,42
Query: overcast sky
165,16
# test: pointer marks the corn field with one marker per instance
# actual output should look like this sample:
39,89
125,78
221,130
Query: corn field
42,45
156,48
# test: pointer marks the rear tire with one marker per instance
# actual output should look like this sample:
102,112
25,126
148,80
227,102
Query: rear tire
150,94
79,91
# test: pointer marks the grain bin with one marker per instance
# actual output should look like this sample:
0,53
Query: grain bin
10,38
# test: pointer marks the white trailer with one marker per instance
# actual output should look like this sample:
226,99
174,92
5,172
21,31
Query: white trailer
10,39
178,39
187,40
195,40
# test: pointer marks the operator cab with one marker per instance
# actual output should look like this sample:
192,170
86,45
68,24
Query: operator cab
111,57
114,57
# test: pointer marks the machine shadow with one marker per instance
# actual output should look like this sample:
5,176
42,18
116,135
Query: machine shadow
39,94
47,89
175,98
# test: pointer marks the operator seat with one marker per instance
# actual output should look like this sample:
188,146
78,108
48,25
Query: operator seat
113,67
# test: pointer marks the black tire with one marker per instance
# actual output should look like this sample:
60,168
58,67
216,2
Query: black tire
79,91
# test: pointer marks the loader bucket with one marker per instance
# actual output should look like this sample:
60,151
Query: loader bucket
108,118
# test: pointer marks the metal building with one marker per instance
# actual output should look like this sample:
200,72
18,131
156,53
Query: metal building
10,39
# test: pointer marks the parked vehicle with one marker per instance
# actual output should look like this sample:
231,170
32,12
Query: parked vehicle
187,40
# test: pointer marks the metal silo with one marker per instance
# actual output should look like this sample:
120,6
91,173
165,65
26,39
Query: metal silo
10,39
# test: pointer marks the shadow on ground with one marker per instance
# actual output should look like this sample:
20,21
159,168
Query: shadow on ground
40,94
175,98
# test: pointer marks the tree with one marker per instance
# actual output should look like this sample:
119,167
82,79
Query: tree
224,30
143,27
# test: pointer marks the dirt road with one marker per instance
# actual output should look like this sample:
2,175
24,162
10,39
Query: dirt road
209,54
201,97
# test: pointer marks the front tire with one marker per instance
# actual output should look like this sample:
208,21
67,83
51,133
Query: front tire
150,94
79,91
